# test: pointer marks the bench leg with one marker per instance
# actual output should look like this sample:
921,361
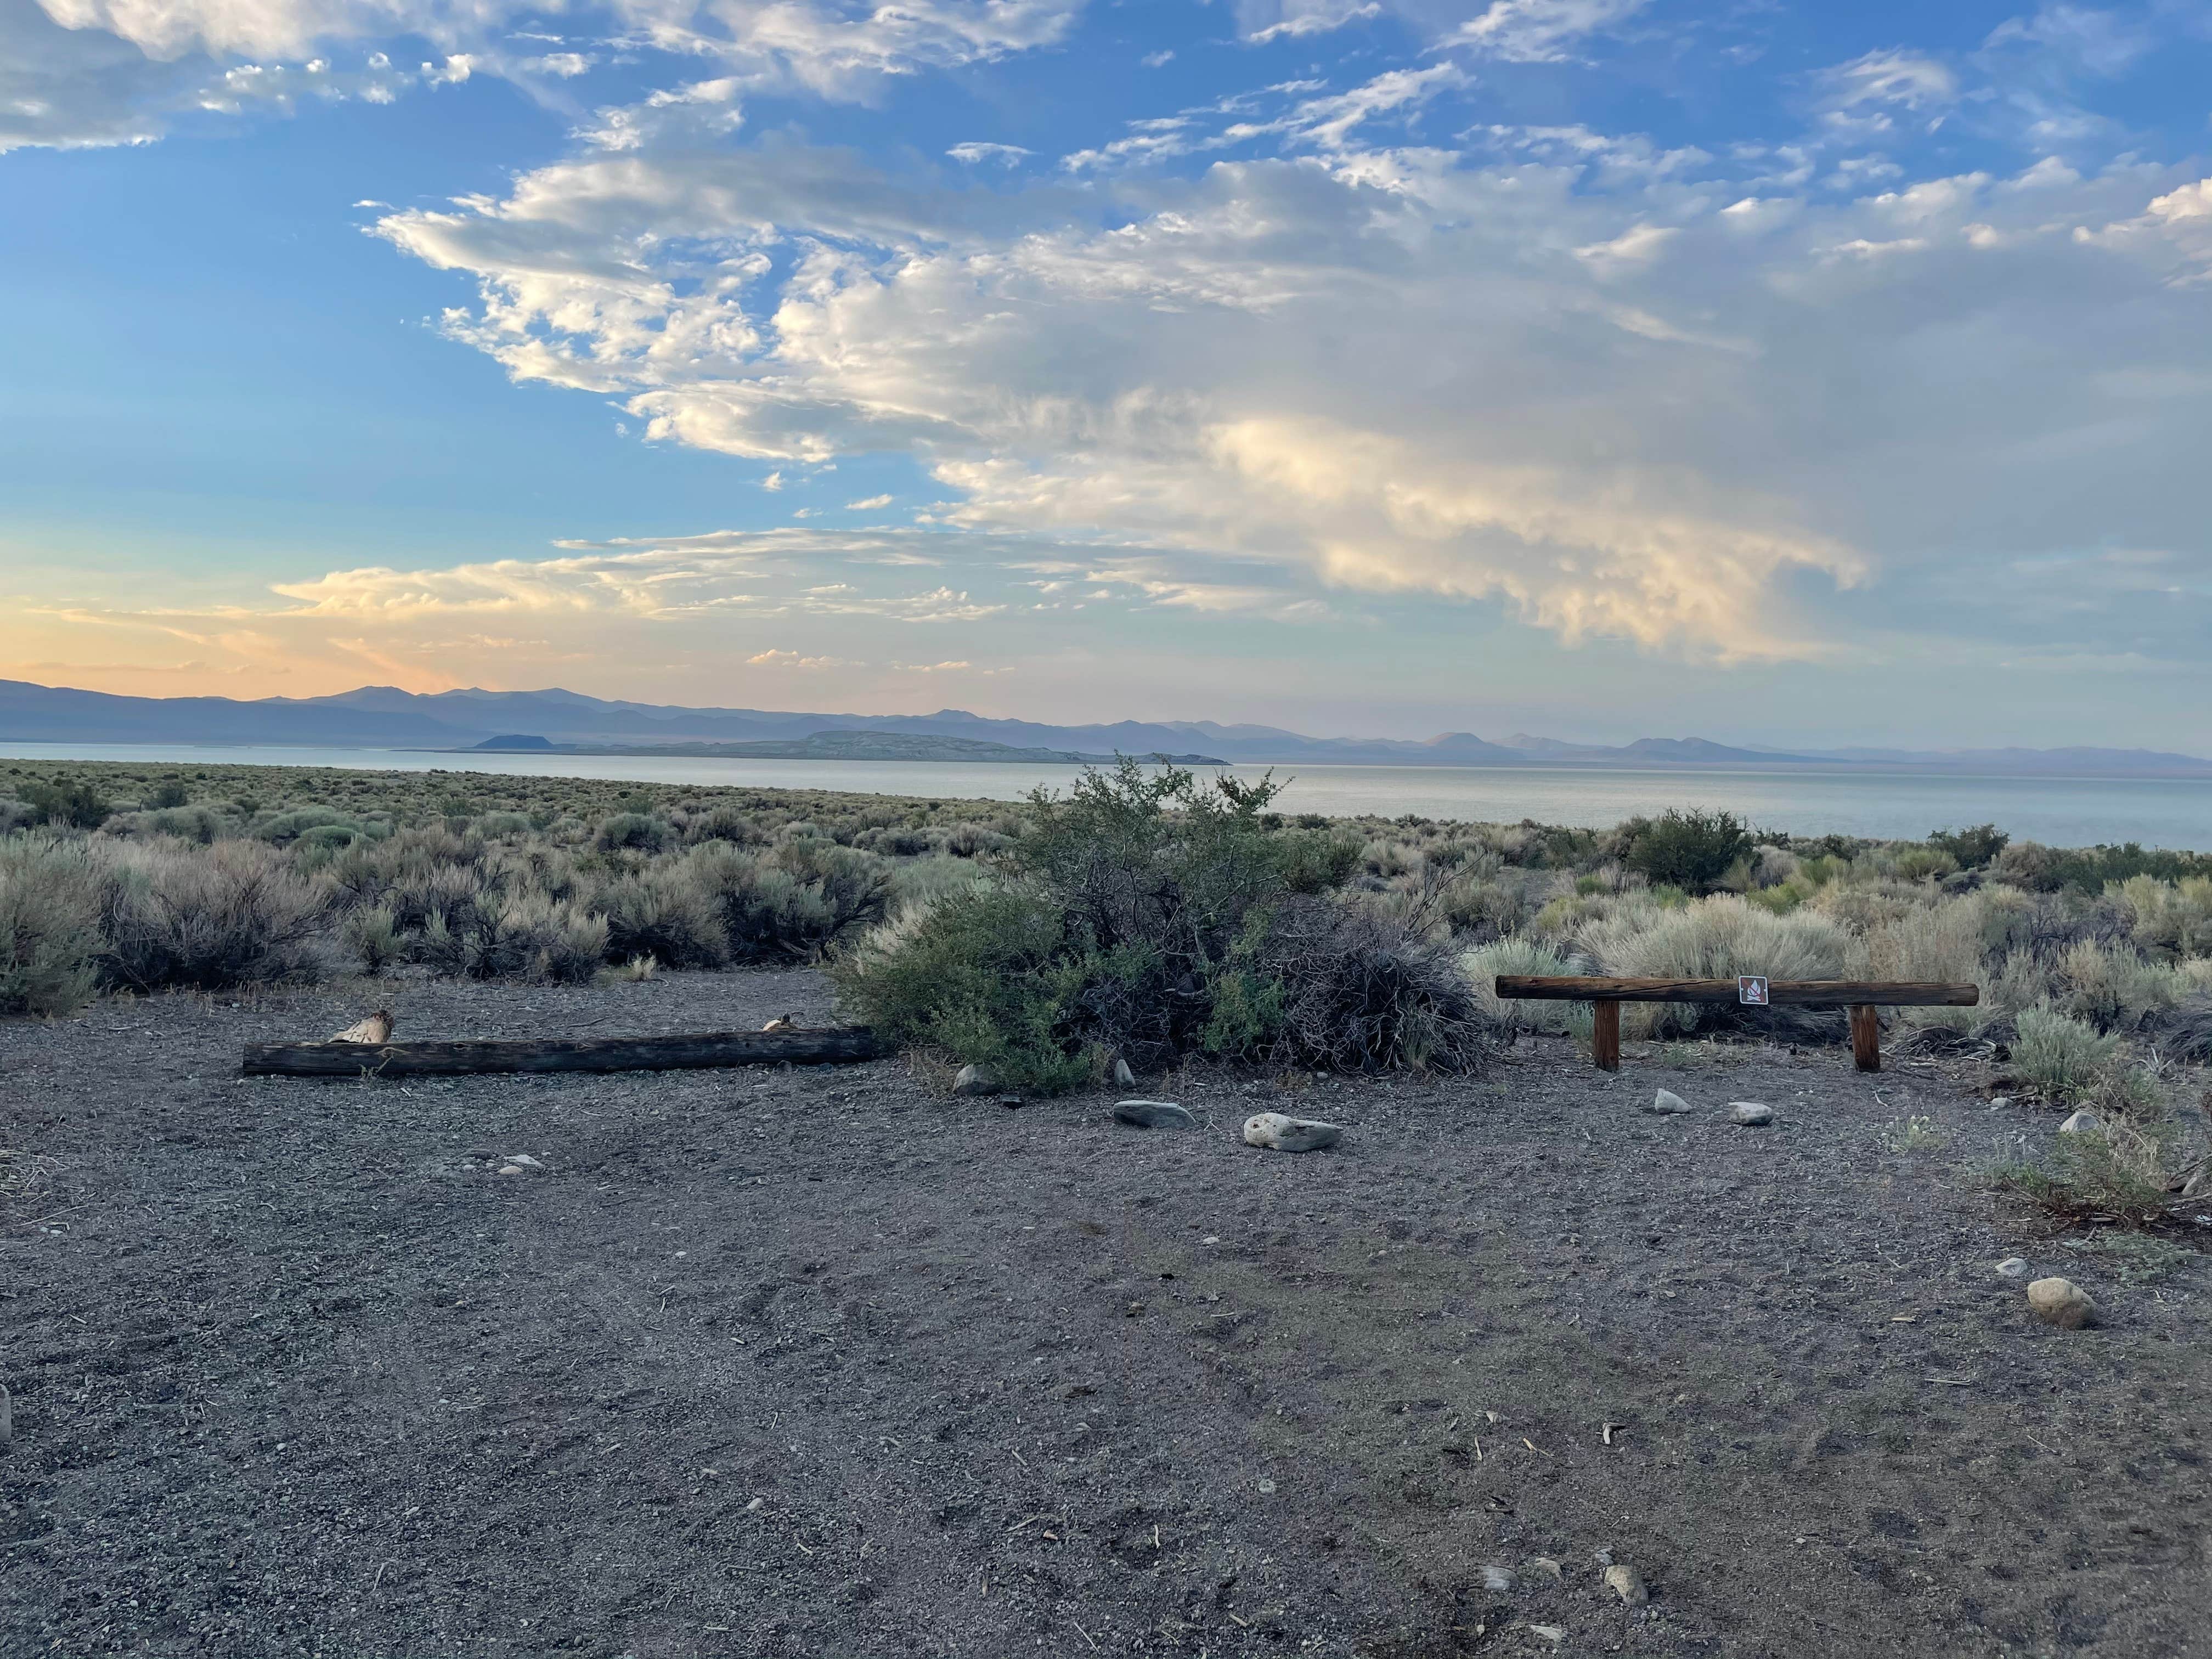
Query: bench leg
1866,1036
1605,1036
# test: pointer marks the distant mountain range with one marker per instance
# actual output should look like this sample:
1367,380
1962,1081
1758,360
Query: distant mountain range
839,745
382,717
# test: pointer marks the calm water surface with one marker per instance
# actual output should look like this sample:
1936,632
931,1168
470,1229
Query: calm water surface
2061,812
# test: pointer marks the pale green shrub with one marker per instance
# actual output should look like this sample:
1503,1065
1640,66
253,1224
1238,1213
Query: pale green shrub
2114,987
208,918
1485,963
2063,1057
1719,938
49,926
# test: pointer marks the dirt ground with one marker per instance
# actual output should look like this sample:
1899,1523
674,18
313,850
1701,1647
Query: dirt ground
820,1362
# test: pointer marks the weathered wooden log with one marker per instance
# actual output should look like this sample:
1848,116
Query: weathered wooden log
638,1053
1819,993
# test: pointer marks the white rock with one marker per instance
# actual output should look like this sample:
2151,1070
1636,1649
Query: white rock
2082,1123
2062,1302
1751,1114
1153,1114
1998,1103
1669,1104
1497,1579
510,1169
2013,1266
1549,1633
1290,1135
973,1080
525,1160
1627,1583
1123,1077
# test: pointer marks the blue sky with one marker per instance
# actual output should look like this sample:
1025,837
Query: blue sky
1602,368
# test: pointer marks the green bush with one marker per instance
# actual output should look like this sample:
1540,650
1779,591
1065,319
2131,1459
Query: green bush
986,977
631,832
1690,849
66,803
1154,917
1972,849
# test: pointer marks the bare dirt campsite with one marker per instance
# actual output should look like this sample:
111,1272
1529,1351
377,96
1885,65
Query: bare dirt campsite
826,1361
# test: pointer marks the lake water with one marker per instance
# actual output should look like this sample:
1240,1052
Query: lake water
2059,811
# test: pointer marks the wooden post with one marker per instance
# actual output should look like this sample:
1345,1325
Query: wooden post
1866,1036
1605,1036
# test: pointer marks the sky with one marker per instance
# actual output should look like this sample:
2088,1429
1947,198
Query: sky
1599,368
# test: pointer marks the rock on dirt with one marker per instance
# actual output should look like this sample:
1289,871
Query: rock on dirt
973,1080
2082,1123
1153,1114
1667,1103
1290,1135
1751,1114
2013,1266
2062,1302
1497,1580
1123,1077
1627,1583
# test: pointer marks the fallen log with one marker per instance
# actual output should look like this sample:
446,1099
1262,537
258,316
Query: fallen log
639,1054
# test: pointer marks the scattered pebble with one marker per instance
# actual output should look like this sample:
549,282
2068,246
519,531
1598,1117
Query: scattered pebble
1627,1583
1545,1563
1267,1485
2012,1267
1211,1238
1497,1580
1751,1114
1998,1103
1667,1103
1290,1135
1153,1114
1549,1633
2082,1123
510,1169
1602,1555
2062,1302
973,1080
757,1506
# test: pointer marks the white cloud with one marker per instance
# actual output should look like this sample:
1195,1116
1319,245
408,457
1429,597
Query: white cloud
1262,20
868,504
799,660
975,154
1540,31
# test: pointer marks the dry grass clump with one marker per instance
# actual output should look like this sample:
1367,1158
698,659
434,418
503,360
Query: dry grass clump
49,926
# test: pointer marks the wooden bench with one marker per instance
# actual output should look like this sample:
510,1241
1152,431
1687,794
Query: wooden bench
1862,997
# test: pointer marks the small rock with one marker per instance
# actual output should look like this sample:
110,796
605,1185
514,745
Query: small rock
510,1169
1545,1563
1010,1101
2062,1302
757,1506
1123,1077
1627,1583
1153,1114
973,1080
1670,1105
2012,1267
2082,1123
1998,1103
1751,1114
1290,1135
1499,1580
482,1154
2199,1186
1549,1633
525,1160
1602,1555
1267,1485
